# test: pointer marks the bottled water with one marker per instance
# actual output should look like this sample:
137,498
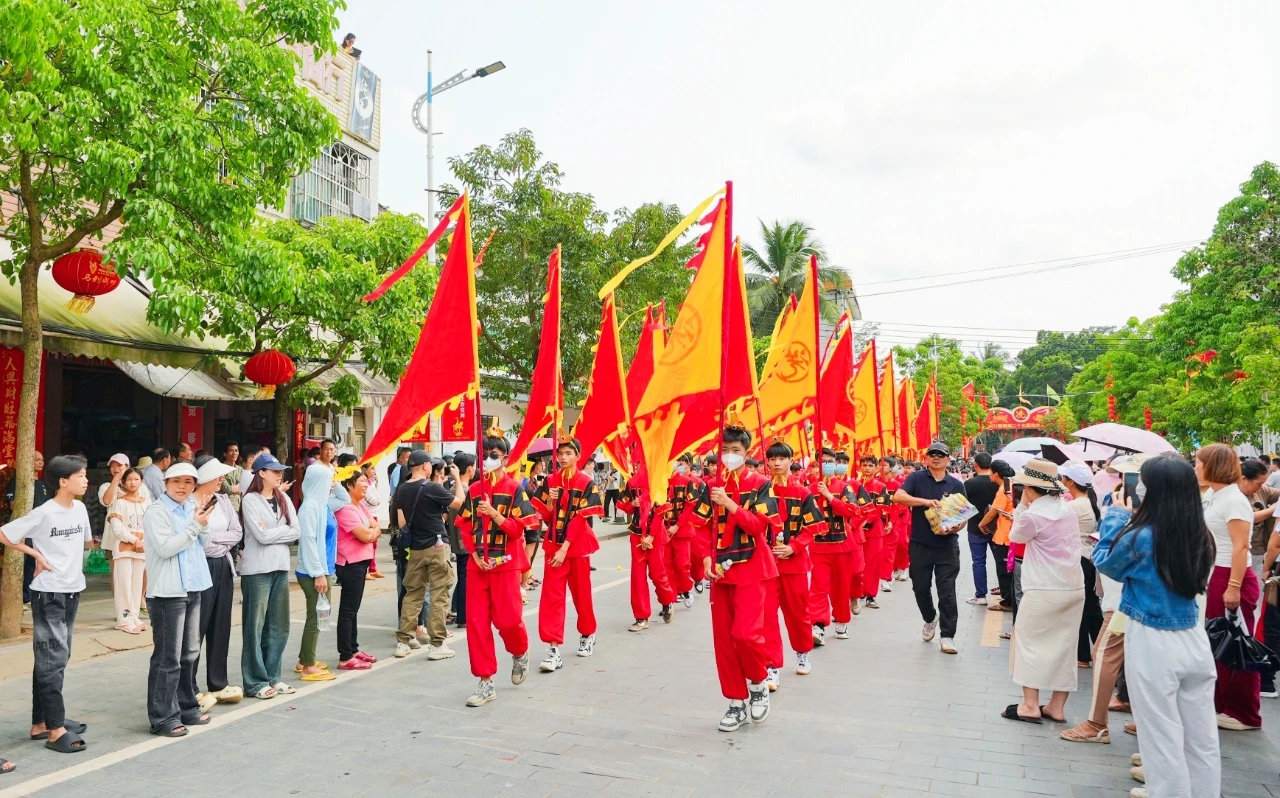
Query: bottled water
322,611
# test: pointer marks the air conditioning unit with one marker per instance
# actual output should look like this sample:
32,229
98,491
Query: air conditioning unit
362,207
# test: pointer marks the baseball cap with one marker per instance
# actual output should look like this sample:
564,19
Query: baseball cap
1078,473
419,457
122,459
267,462
182,469
938,447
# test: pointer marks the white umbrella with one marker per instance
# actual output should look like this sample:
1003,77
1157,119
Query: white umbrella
1077,452
1123,437
1029,445
1015,459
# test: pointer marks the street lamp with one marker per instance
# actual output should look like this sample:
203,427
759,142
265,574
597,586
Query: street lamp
425,99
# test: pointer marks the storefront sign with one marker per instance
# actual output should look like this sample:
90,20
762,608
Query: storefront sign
193,426
299,435
11,362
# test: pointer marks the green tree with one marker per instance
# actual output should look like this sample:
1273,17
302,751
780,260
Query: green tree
517,195
1053,361
777,269
1060,422
178,120
954,370
301,291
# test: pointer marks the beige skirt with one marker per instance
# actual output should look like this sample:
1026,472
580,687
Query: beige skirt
1043,654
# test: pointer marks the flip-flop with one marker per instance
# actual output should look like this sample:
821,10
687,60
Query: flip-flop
7,767
1047,716
366,657
1011,713
68,724
66,744
1006,636
354,664
324,666
172,730
318,676
1072,736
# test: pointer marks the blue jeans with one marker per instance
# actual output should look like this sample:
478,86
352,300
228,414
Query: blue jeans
978,551
265,627
171,676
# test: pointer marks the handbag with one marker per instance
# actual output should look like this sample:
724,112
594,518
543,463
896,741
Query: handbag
1235,648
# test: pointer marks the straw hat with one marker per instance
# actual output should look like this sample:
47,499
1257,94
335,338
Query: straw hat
1038,473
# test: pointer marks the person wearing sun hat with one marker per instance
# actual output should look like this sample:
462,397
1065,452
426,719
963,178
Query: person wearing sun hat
1047,629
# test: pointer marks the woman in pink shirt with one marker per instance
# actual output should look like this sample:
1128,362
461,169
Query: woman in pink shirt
357,533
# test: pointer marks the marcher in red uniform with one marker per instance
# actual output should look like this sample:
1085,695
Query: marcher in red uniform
902,562
647,525
836,552
567,499
735,517
891,483
799,514
866,585
492,523
682,489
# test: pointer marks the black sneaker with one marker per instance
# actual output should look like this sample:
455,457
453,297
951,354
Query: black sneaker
734,718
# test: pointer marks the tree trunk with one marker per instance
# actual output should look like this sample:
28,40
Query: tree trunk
23,493
284,426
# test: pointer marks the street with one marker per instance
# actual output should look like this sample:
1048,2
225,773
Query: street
882,714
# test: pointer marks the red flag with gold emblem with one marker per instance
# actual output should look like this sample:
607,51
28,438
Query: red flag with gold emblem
839,417
546,391
606,414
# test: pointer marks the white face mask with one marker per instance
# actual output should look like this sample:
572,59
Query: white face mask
492,464
733,461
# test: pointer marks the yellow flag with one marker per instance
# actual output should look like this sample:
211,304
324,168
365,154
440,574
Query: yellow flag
788,389
906,415
888,407
866,428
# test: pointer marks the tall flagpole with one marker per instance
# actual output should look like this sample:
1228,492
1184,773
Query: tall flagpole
724,317
817,360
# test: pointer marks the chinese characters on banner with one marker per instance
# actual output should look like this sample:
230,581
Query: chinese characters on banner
11,362
459,424
193,426
299,435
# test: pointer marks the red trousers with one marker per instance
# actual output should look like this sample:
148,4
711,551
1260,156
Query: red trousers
650,561
890,553
829,586
790,594
697,571
867,581
574,574
675,559
493,599
738,634
902,561
1237,693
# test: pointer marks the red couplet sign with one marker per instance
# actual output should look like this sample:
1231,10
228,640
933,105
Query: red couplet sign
193,426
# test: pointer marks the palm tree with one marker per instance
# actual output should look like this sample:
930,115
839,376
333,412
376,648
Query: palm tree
991,351
776,270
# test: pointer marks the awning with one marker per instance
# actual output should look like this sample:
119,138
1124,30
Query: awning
180,383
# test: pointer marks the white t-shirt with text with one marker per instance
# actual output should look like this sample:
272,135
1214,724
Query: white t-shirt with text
59,534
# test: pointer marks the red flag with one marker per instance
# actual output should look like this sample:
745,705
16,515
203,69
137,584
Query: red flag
927,421
968,392
648,352
606,414
431,382
450,216
907,415
839,417
546,391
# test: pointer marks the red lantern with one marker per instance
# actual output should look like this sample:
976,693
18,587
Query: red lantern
83,274
1146,416
1111,408
269,369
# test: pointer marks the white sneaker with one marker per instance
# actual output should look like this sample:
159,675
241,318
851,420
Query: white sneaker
818,634
900,576
842,632
978,601
414,643
886,586
948,647
758,704
519,668
440,652
802,663
402,650
587,646
929,631
1231,724
553,662
1138,774
484,694
639,626
872,603
688,600
734,718
771,680
855,606
1138,792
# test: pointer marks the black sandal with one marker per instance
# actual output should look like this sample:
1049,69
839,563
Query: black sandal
172,730
1062,719
68,724
1011,713
200,721
7,767
67,743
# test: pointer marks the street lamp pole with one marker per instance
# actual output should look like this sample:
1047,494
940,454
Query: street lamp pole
429,128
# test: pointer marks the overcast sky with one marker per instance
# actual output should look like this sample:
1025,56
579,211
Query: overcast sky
917,139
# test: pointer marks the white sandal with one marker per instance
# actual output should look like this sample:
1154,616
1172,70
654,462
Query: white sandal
283,689
265,693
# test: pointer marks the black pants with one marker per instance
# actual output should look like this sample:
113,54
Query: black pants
54,617
351,576
1004,574
171,677
1091,620
940,564
610,500
460,592
215,624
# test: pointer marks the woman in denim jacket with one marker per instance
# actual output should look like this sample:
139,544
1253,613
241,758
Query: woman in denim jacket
1163,554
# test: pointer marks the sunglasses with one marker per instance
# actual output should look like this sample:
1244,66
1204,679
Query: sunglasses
937,454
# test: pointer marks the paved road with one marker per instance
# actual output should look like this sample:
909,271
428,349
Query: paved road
882,714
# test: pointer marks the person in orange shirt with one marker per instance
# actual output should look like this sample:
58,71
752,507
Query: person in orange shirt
1000,518
735,519
566,500
790,593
